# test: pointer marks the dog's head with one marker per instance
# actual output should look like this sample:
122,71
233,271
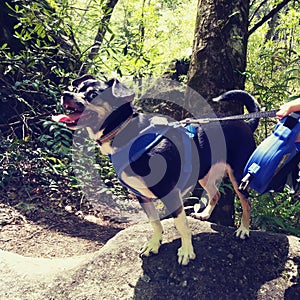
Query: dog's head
92,102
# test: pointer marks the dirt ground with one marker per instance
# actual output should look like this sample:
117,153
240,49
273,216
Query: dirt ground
53,236
38,227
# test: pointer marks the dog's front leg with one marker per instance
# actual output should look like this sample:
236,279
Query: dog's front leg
174,204
186,251
153,245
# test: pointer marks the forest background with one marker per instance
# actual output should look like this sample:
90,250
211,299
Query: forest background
46,44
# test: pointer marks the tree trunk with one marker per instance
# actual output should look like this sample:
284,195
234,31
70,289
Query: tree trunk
219,51
217,65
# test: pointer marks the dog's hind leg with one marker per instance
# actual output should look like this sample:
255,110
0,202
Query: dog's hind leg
153,245
208,182
213,196
243,231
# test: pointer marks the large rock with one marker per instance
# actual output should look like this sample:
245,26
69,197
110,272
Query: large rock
266,266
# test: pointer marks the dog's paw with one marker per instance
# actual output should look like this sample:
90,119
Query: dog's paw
185,254
203,215
152,246
242,232
200,216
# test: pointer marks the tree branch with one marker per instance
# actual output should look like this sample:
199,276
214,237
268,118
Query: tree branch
268,16
257,9
94,49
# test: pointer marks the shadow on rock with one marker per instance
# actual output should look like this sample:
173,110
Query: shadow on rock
293,292
225,268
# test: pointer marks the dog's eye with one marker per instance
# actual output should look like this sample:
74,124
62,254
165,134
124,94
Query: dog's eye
91,95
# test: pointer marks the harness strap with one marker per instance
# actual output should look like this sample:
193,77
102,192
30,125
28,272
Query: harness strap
148,138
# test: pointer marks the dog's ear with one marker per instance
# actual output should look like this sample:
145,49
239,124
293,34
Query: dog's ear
120,91
81,79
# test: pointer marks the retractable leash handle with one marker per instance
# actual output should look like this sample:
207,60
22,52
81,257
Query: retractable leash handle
272,154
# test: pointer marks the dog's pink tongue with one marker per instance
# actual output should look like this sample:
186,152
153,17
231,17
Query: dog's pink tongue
66,118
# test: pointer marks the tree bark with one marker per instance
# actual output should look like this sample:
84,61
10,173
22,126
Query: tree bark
219,51
217,65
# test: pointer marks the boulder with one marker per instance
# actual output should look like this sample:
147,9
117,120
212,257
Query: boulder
265,266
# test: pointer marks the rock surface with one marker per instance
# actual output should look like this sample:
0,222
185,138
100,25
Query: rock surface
266,266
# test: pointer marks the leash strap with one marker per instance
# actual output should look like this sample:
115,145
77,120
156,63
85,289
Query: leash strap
254,115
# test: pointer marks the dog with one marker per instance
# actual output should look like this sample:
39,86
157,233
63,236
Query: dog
105,110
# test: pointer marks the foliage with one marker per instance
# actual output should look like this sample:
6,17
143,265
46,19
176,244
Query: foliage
273,76
39,169
32,179
26,161
30,78
277,212
141,41
57,139
158,36
273,73
143,36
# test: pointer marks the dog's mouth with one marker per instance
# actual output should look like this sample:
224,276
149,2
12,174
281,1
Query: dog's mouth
76,117
71,118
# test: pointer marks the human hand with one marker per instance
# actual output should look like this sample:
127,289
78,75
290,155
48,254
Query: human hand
288,108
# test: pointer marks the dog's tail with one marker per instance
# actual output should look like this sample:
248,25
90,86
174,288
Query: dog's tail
246,99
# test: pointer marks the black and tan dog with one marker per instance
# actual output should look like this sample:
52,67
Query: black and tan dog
105,109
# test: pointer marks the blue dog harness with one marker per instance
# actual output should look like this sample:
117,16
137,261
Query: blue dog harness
273,155
147,139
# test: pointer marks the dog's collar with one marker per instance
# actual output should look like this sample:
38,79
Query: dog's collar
113,133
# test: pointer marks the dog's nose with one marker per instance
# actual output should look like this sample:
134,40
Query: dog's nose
65,99
69,100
